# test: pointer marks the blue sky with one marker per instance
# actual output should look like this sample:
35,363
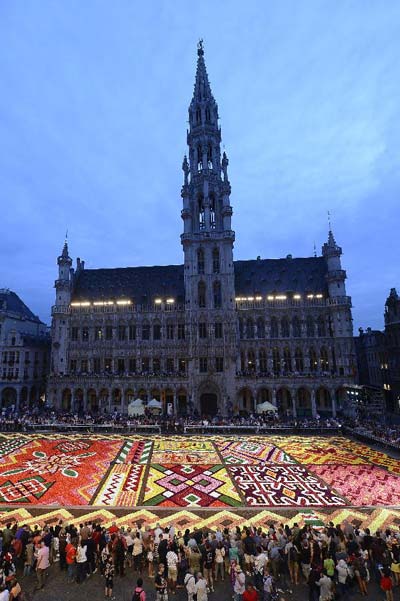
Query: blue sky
93,111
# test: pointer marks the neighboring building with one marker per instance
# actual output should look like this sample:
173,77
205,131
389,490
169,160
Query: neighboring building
378,357
211,335
392,335
24,352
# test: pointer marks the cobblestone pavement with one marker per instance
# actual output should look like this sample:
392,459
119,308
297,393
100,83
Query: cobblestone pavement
58,589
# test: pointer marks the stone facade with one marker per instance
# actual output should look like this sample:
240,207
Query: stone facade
211,335
24,353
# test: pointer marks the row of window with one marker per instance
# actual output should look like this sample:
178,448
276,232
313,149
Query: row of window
284,361
123,332
14,356
282,328
202,295
122,365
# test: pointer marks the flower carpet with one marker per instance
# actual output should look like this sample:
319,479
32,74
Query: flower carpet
220,473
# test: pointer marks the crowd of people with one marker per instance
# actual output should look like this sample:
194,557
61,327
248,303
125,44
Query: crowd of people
257,564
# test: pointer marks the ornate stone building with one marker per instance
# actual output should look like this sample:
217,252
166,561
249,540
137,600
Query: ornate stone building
24,352
211,335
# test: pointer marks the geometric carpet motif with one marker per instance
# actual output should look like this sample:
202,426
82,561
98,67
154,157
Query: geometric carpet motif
321,451
362,485
190,485
171,443
53,470
251,452
134,451
121,487
282,486
372,455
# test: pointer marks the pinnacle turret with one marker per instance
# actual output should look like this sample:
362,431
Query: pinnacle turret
202,89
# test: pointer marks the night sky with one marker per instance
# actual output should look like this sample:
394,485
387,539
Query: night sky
93,117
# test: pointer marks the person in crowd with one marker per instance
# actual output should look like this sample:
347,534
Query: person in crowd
201,588
109,578
239,583
81,562
139,594
161,585
42,564
190,585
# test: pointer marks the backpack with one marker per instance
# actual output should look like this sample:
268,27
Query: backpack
137,594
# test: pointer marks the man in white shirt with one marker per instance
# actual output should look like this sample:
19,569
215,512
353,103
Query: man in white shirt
43,564
172,563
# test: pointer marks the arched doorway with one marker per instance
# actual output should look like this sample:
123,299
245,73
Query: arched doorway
284,402
93,402
208,404
66,399
8,397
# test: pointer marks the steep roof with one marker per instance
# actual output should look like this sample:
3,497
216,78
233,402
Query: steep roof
10,302
144,284
277,276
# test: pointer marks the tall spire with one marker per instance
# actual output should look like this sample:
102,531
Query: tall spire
202,89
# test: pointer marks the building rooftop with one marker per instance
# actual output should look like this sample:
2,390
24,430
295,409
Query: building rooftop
11,303
144,284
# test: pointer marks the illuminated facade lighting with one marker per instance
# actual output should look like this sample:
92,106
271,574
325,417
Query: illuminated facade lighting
250,298
310,296
158,301
124,302
319,296
297,296
258,298
170,301
82,304
270,297
281,297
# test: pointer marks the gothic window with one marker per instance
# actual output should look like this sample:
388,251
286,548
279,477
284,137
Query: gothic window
218,329
263,360
199,158
324,359
170,331
198,116
96,365
182,365
310,326
276,361
121,332
200,261
296,327
208,118
98,333
242,361
313,360
170,365
132,365
321,327
132,332
240,328
145,365
202,216
284,327
287,360
299,360
201,294
203,365
181,331
209,157
156,365
250,328
74,333
202,329
217,295
251,361
215,258
121,366
212,212
109,332
145,331
260,328
274,327
157,331
219,364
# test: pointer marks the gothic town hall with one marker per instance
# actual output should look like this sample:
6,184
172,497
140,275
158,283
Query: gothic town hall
211,336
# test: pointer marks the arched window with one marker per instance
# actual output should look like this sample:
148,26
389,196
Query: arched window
298,357
242,361
202,215
215,259
212,211
250,328
274,327
296,327
208,116
321,327
313,360
285,327
209,157
240,328
260,328
199,158
202,294
324,359
276,361
262,357
251,361
200,261
287,360
310,326
217,295
198,116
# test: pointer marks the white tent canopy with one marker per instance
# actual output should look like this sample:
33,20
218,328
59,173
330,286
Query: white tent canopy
136,408
136,403
154,404
266,407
